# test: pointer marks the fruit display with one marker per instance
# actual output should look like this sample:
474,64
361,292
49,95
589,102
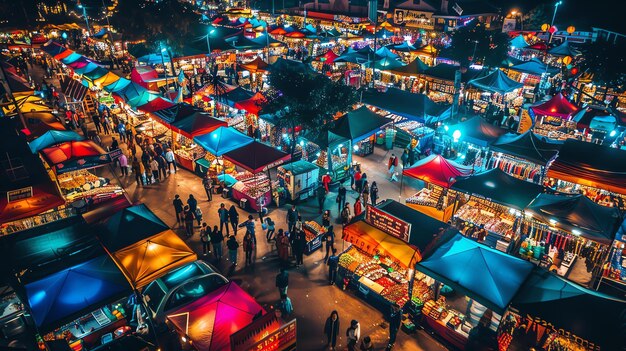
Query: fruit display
375,273
397,293
312,230
385,282
422,291
365,267
345,260
82,183
252,185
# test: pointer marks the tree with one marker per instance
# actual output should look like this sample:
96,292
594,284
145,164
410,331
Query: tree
303,98
475,44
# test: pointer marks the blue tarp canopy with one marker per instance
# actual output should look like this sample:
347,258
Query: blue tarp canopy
359,124
65,295
222,140
528,146
536,67
118,85
477,131
564,49
385,64
496,82
155,59
53,137
417,107
129,226
131,91
592,316
404,47
489,276
413,69
518,42
71,58
383,52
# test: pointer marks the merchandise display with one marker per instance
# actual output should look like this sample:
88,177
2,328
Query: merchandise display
253,188
495,218
314,233
517,168
85,184
35,221
446,316
427,197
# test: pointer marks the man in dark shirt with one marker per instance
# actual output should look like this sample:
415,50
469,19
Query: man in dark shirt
333,264
178,207
341,198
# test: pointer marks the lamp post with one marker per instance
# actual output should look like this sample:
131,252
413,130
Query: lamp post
167,83
80,6
556,8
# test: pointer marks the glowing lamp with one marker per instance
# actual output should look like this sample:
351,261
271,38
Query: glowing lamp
567,60
456,134
571,29
545,27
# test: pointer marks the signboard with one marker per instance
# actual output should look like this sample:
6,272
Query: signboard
508,24
283,339
115,154
83,163
387,223
414,19
525,122
19,194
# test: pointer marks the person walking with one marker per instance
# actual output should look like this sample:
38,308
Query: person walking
217,240
222,213
326,219
365,192
171,160
341,198
405,158
346,214
178,208
331,329
358,208
96,121
189,217
232,246
123,160
329,239
321,197
282,282
374,193
292,217
353,334
358,183
193,203
204,239
248,247
271,228
326,180
333,265
137,168
298,247
154,167
249,225
208,186
282,245
351,172
233,216
395,319
391,167
162,166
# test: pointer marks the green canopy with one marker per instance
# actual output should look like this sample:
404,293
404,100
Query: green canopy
359,124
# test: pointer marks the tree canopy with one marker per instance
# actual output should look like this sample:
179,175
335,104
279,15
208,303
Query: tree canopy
488,47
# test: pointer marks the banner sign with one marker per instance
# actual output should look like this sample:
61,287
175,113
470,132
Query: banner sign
387,223
83,163
115,154
283,339
414,19
19,194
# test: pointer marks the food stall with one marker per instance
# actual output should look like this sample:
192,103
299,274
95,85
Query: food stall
314,233
469,140
553,118
360,127
299,178
469,282
253,188
494,200
217,143
439,174
532,73
496,89
328,151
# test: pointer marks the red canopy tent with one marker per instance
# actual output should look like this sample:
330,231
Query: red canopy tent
73,155
156,104
252,105
212,319
257,157
437,170
198,123
327,58
558,106
142,74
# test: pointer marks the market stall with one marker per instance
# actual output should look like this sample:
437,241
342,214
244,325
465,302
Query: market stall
524,156
438,81
574,233
210,320
300,179
551,313
329,151
254,189
360,127
493,200
385,246
553,118
217,143
469,140
532,73
439,174
497,89
483,282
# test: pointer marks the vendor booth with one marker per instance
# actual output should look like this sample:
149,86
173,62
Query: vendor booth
494,201
329,151
360,127
573,232
439,174
129,226
385,246
551,313
495,89
253,189
217,143
300,179
209,321
524,156
479,285
553,118
469,140
438,81
532,73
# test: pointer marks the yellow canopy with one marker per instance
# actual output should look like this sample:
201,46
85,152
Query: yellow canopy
106,79
373,240
30,103
150,259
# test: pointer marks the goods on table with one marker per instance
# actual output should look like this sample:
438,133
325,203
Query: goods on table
82,183
190,153
397,293
423,197
312,230
495,220
398,277
385,282
252,185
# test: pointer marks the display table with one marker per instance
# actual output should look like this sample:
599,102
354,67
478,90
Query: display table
184,162
455,337
252,203
314,233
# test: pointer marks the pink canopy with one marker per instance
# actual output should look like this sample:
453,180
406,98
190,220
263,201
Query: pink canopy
437,170
142,74
558,106
212,319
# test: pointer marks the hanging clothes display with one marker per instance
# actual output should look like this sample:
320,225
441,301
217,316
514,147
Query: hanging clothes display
517,168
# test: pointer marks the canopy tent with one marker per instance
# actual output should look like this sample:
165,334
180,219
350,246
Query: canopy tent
323,138
154,59
518,42
496,82
129,226
252,105
587,314
437,170
63,54
93,75
565,49
477,131
557,106
384,52
237,95
17,84
257,157
198,123
299,66
266,41
131,91
535,67
360,56
155,104
592,165
447,72
73,155
489,276
71,58
65,295
212,319
107,79
241,42
405,46
73,89
53,137
527,146
499,187
216,89
142,74
176,112
416,107
413,69
579,214
53,48
116,86
511,61
327,58
38,123
359,124
145,261
255,66
384,63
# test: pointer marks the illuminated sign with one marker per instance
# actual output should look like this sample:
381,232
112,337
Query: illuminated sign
283,339
414,19
387,223
19,194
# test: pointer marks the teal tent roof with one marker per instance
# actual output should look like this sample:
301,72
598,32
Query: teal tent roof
564,49
359,124
154,59
404,47
413,69
496,82
71,58
116,86
477,131
96,73
518,42
299,167
86,68
143,98
587,314
131,91
222,140
385,63
129,226
383,52
536,67
527,146
53,137
417,107
488,276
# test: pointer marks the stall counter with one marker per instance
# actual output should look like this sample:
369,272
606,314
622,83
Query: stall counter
252,203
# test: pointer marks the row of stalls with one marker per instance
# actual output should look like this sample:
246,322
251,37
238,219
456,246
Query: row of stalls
451,285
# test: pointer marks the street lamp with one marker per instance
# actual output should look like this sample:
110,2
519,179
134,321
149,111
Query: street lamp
556,8
80,6
208,44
